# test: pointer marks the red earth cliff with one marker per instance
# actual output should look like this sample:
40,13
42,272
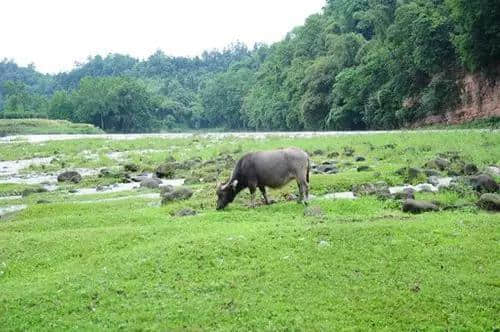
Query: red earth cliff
479,98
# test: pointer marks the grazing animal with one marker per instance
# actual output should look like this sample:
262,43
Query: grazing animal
262,169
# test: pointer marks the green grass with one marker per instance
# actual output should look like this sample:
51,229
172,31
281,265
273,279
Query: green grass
486,123
363,265
44,126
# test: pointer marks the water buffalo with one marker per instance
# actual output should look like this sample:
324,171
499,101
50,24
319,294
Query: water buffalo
263,169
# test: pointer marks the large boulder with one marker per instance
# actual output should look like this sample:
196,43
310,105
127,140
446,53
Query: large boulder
489,202
69,176
166,170
152,183
415,206
175,194
483,183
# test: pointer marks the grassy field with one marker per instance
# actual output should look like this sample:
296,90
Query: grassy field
44,126
86,263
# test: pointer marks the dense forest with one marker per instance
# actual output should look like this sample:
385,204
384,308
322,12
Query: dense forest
358,64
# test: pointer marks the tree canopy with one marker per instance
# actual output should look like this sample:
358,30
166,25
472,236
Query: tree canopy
358,64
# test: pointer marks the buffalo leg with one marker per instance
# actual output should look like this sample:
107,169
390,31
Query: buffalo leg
252,193
303,191
263,191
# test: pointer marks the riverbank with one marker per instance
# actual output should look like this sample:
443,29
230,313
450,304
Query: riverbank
85,254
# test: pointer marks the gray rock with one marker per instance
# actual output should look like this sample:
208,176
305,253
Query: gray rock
152,183
180,193
434,180
483,183
348,151
333,155
327,169
493,170
414,206
470,169
359,158
166,189
364,168
166,170
100,188
69,176
407,193
414,173
139,178
489,201
438,163
131,167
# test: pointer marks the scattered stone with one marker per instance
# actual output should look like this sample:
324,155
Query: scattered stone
314,211
426,187
100,188
327,169
72,191
414,206
407,193
438,163
186,212
152,183
470,169
434,180
364,168
483,183
131,167
493,170
139,178
166,189
329,162
69,176
489,202
166,170
180,193
105,172
348,151
359,158
333,154
42,201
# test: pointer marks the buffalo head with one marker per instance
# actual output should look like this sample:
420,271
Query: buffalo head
226,194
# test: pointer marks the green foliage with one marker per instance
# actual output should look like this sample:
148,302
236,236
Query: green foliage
358,64
477,33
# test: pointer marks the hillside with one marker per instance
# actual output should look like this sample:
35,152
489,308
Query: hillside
358,64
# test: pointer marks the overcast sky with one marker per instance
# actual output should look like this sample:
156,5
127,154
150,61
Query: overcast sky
53,34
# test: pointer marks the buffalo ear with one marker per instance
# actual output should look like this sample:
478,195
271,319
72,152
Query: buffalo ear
234,183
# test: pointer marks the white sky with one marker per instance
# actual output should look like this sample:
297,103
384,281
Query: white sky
53,34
